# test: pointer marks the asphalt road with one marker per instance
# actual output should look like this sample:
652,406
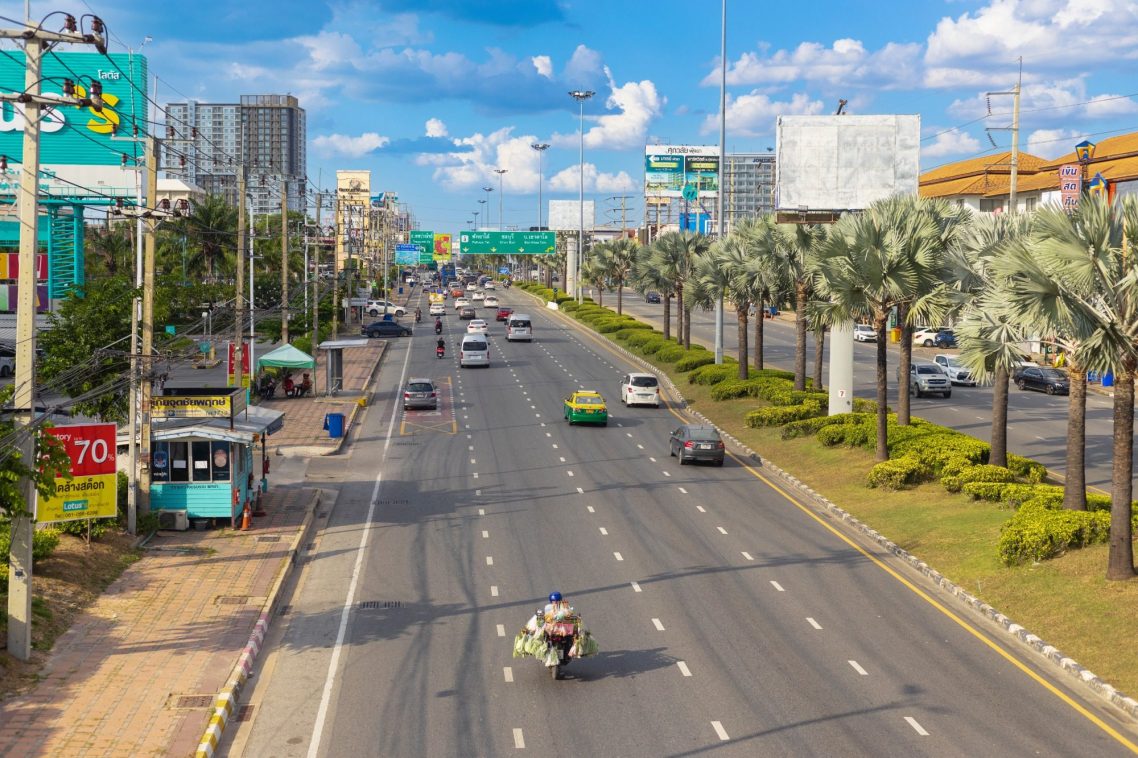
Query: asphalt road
1037,423
730,618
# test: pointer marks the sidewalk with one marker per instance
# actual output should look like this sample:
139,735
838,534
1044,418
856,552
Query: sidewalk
139,671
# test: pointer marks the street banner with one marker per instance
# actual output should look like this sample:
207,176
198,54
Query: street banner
508,243
92,490
244,365
442,248
1070,184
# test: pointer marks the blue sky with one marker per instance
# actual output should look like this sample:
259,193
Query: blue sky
432,95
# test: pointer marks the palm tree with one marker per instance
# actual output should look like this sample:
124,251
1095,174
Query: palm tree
212,229
724,271
113,247
619,257
672,254
798,243
767,272
867,266
647,277
593,271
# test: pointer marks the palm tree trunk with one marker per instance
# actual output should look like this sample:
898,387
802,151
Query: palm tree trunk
879,321
1120,559
620,296
687,329
1075,482
667,317
680,314
601,297
999,452
744,358
759,319
800,335
819,354
906,362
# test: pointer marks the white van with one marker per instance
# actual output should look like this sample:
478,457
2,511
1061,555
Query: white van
474,351
518,328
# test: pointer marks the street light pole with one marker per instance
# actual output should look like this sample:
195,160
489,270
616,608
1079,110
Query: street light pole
540,147
580,96
501,196
722,163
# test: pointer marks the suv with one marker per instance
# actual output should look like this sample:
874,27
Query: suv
420,393
640,389
925,378
380,307
697,442
956,371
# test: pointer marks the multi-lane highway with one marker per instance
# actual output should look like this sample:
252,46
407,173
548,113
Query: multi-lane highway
1037,423
732,619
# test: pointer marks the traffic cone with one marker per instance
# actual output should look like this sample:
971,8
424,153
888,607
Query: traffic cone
246,517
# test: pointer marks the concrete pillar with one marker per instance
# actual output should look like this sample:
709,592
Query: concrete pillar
841,368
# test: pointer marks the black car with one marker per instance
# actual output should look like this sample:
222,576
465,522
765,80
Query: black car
944,338
652,297
385,329
1043,378
697,442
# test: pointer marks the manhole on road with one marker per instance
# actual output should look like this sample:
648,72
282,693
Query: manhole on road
372,605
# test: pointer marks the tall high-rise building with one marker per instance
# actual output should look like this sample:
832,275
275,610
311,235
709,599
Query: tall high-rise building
206,142
748,186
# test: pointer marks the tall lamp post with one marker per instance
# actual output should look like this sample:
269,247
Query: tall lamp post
485,212
475,220
501,196
580,96
487,190
540,147
722,165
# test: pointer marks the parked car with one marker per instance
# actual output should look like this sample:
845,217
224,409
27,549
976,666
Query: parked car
652,297
697,442
945,338
490,302
1045,379
420,393
864,333
504,312
640,389
380,307
466,312
586,407
926,336
927,378
385,329
955,370
477,326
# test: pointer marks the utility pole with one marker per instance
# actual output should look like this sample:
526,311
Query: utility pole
1013,179
146,388
23,401
337,218
316,286
722,164
238,336
284,259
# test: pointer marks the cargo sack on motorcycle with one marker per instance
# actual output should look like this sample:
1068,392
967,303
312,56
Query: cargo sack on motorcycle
552,656
587,645
520,643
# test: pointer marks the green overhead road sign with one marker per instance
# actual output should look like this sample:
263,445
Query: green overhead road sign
508,243
426,244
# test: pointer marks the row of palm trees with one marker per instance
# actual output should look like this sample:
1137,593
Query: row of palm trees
1064,278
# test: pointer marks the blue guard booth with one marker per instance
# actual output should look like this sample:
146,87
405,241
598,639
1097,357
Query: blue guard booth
203,452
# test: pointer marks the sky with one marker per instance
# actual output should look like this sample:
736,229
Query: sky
433,95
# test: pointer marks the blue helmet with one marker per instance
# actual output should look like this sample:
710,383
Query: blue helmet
555,597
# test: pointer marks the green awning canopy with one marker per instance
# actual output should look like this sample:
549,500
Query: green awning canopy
286,356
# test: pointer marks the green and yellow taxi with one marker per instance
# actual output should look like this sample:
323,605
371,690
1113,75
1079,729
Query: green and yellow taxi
586,407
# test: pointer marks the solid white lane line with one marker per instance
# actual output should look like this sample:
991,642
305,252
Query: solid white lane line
656,623
916,727
519,740
721,530
777,586
580,491
857,667
666,473
635,587
508,673
489,560
485,534
618,556
747,556
683,491
813,623
501,630
719,730
683,668
604,532
701,509
493,590
590,509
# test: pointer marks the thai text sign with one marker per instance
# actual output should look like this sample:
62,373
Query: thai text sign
426,244
1070,184
668,168
92,490
508,243
208,404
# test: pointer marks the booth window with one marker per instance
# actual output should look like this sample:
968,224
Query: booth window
200,450
195,461
219,460
179,462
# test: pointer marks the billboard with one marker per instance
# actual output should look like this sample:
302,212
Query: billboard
837,163
92,490
670,168
442,248
75,143
565,216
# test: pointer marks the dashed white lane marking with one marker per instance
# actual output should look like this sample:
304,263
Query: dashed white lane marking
701,509
493,590
916,727
501,630
604,532
472,461
619,424
533,407
981,418
1039,438
570,473
466,418
683,491
555,446
618,556
508,673
466,426
489,560
719,730
640,446
635,587
656,623
580,491
777,586
562,457
519,740
590,509
628,434
478,493
813,623
470,436
857,667
747,556
470,447
721,530
683,668
549,434
539,416
651,459
485,534
475,474
666,473
481,511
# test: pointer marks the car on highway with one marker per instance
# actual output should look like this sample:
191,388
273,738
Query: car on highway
697,442
460,303
385,329
456,292
380,307
477,326
474,351
1043,379
478,296
490,302
489,285
467,312
420,393
640,389
504,312
864,333
652,297
956,371
586,407
519,328
927,378
438,309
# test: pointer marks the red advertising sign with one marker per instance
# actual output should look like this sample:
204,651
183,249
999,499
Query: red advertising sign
92,490
1070,184
244,364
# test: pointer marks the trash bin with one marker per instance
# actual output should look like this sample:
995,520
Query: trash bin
895,334
1108,379
334,423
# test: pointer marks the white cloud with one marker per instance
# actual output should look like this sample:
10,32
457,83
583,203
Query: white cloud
583,66
543,64
333,145
436,128
1054,101
246,73
569,180
754,115
1104,106
1051,143
472,163
951,143
637,103
330,49
846,62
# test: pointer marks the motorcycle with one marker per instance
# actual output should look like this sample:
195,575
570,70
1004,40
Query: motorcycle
418,315
438,327
440,352
560,643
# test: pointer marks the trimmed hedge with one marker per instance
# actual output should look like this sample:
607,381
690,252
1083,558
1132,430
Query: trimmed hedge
898,473
810,426
608,327
650,347
777,415
670,353
708,372
1026,468
633,328
1037,532
982,473
694,360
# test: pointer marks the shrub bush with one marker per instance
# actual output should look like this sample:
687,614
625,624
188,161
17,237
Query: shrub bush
670,353
991,491
1025,468
809,426
983,473
777,415
569,306
640,336
632,328
694,359
861,405
1037,532
650,347
708,372
610,326
732,388
44,543
898,473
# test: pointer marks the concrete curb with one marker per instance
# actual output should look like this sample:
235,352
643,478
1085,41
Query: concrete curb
225,705
1049,653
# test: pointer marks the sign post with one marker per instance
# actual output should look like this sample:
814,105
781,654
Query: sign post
92,490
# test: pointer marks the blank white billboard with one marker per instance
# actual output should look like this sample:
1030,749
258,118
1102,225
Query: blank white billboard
837,163
565,216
